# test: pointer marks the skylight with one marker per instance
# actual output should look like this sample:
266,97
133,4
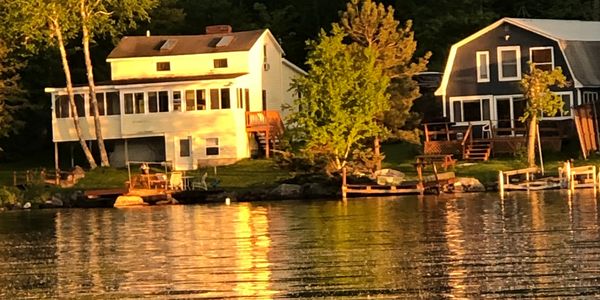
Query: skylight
168,45
225,41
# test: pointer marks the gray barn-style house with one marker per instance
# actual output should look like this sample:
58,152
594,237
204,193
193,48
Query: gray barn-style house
480,85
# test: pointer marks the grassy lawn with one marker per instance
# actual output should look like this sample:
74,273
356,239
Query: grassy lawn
249,174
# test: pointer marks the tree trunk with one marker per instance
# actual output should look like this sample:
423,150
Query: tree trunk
531,138
377,152
92,86
74,116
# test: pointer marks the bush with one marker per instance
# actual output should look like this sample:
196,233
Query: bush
10,196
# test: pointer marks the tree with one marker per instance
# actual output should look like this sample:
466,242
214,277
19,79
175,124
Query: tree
106,17
373,26
340,97
540,101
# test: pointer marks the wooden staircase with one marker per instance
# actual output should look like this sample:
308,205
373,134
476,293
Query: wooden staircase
267,127
477,150
474,150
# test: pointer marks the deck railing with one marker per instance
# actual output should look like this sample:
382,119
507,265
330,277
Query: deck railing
467,138
264,120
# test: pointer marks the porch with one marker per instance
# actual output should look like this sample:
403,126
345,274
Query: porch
267,126
482,140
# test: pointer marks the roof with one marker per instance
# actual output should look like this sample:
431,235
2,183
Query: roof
114,83
566,30
577,40
148,46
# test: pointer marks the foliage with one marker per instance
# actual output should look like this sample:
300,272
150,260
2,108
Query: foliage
372,25
340,97
536,90
10,196
540,100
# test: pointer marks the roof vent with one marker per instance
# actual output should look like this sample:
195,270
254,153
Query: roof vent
225,41
218,29
168,45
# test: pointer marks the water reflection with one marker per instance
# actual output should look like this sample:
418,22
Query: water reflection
451,246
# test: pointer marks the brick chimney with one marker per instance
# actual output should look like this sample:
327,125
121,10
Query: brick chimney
218,29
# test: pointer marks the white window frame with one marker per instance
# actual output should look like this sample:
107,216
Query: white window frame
589,97
207,146
542,48
487,65
570,116
462,110
517,50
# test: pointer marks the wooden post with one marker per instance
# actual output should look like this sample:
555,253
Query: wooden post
267,150
15,178
344,187
447,132
426,132
56,156
126,152
501,184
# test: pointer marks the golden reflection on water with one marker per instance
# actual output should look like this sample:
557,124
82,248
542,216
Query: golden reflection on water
455,238
252,256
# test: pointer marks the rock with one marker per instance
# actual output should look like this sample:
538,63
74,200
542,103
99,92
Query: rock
468,184
17,205
318,190
54,202
77,173
389,177
27,205
286,190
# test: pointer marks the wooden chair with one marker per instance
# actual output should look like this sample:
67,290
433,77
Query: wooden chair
176,181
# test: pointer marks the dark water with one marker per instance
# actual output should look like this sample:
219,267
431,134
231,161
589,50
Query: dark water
467,246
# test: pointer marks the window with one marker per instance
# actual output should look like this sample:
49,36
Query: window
134,103
471,110
158,101
214,99
542,58
61,106
590,97
113,103
195,100
184,147
566,108
509,63
225,99
80,105
212,146
220,63
176,101
264,100
163,66
483,66
100,101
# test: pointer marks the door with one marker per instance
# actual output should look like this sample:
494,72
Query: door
183,154
503,115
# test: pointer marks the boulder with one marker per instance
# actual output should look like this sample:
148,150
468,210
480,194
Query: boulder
286,191
389,177
468,184
318,190
27,205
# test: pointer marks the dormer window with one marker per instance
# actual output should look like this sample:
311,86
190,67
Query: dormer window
163,66
220,63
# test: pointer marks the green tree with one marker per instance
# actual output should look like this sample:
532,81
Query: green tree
373,26
540,101
99,17
340,97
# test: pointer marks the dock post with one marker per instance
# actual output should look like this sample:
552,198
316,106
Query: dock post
344,184
501,184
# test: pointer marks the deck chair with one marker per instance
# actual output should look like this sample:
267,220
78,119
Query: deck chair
176,181
201,184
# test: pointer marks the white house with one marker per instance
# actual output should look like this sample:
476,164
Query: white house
191,100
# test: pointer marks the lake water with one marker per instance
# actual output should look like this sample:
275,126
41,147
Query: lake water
474,246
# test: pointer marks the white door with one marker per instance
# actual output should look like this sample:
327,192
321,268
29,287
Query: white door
183,153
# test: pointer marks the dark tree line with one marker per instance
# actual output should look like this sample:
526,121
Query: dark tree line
437,24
